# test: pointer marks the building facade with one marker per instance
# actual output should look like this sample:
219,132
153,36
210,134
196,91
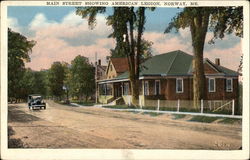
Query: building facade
167,76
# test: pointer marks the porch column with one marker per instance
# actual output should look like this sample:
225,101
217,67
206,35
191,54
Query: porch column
122,88
113,89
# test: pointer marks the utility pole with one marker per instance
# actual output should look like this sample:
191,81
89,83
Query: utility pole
96,88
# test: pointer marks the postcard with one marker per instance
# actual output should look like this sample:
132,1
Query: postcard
124,79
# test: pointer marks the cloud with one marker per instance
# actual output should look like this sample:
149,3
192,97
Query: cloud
163,43
13,24
65,40
229,57
40,21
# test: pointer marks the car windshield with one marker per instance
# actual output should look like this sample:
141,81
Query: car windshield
36,97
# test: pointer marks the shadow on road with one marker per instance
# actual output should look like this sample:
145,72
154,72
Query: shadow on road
14,142
20,116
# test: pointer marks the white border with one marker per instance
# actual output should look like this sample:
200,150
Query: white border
126,153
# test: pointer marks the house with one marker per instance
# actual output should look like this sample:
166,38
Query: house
168,77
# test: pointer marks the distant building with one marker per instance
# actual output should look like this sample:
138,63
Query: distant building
101,69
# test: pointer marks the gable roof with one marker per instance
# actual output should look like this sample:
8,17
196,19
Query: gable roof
120,64
171,63
175,63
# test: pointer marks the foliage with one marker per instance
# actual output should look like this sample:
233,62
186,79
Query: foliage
19,49
56,77
223,20
82,77
32,82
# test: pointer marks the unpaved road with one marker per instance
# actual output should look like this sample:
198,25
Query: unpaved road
62,126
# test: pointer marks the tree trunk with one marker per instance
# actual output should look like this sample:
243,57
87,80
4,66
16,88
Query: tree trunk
199,77
198,29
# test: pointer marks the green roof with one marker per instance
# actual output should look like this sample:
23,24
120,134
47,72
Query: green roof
175,63
227,72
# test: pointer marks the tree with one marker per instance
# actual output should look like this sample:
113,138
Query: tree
82,77
219,20
128,26
19,49
32,82
56,77
146,47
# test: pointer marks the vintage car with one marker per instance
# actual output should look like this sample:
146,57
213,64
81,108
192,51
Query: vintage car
36,101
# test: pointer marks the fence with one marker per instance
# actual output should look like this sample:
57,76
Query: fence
205,106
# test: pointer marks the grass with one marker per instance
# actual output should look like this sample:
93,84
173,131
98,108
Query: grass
189,110
168,109
230,121
178,116
219,112
120,107
152,114
203,119
135,112
88,103
149,107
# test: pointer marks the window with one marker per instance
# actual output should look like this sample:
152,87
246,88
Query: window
146,92
157,87
179,85
211,84
229,84
126,89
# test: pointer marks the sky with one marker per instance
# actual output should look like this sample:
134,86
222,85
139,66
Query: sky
61,35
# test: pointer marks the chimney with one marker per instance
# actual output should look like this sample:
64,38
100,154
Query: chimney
99,62
217,61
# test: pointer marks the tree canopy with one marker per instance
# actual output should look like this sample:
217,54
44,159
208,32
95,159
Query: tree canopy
19,48
82,77
56,77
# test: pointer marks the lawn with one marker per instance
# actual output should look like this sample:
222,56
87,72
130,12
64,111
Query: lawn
120,107
204,119
178,116
83,103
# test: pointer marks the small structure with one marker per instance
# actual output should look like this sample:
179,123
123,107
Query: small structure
167,76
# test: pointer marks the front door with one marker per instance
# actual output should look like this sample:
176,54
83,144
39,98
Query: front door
117,90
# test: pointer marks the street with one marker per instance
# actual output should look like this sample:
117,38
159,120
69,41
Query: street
61,126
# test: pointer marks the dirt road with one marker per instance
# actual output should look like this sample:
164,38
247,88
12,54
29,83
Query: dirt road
62,126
